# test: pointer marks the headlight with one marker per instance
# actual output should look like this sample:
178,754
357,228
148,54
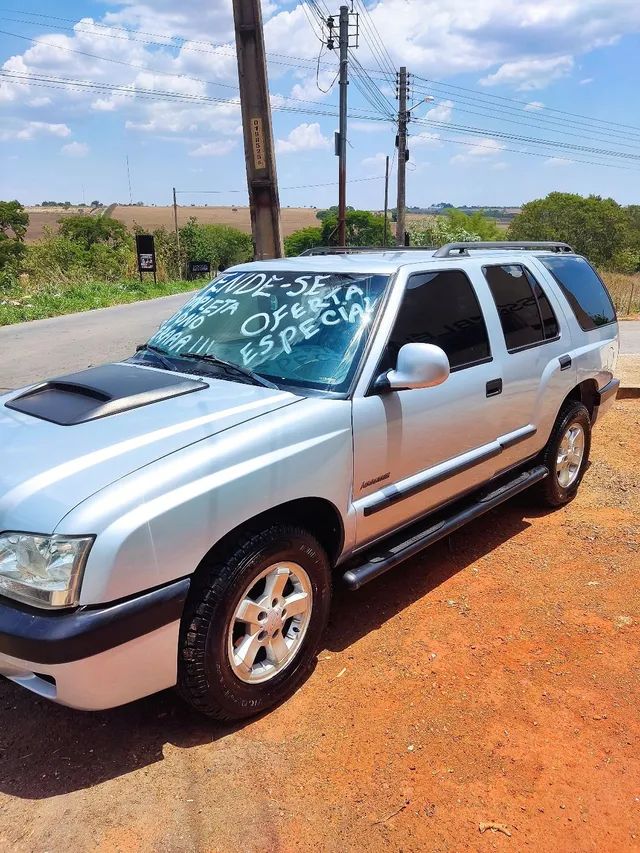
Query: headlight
45,571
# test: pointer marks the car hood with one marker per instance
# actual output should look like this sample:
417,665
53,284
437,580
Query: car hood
47,467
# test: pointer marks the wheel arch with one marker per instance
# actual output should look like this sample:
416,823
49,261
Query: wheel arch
585,392
318,516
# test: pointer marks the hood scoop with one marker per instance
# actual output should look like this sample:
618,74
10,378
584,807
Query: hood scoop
100,392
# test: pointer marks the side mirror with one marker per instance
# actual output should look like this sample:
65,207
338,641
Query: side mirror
419,366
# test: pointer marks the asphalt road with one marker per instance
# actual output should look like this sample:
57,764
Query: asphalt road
58,345
45,348
630,337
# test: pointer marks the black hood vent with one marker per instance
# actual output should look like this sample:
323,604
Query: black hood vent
100,392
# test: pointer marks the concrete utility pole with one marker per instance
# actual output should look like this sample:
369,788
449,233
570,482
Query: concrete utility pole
402,156
342,133
386,199
258,134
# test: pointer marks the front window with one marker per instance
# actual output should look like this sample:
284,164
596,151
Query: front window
303,329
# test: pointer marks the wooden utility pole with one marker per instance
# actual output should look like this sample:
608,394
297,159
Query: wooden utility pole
342,133
175,223
259,153
402,156
386,199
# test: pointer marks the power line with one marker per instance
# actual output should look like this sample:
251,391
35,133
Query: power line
297,187
226,50
478,93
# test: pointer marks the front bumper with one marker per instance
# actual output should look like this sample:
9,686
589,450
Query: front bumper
95,658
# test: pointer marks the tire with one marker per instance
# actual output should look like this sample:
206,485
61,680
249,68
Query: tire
217,674
559,488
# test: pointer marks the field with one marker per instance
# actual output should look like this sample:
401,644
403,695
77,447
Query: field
151,218
481,697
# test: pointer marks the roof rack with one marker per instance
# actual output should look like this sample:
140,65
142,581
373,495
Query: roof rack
355,250
463,248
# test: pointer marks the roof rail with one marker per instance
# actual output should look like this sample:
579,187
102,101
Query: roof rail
354,250
463,248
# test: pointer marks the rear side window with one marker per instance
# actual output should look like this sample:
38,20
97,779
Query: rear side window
441,308
583,288
526,314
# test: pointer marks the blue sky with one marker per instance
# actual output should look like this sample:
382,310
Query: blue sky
497,68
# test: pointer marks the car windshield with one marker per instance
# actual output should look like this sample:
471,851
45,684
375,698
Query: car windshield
305,329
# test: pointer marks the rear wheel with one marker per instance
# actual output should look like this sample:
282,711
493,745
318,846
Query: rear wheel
566,455
253,623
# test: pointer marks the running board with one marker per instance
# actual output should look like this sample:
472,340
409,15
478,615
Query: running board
404,546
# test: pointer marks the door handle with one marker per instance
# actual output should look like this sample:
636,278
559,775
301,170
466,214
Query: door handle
494,387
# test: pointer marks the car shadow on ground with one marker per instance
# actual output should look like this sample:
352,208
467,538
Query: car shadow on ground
47,750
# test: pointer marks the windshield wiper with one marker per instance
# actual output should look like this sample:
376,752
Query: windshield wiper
158,354
229,367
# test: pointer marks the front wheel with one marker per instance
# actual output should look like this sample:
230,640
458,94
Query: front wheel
253,623
566,455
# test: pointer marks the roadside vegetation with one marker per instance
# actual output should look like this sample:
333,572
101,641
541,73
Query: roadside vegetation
90,261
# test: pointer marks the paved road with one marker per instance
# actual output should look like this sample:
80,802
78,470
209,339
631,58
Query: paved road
58,345
44,348
630,337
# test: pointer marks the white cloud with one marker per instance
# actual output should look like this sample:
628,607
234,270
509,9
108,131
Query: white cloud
533,106
527,74
478,149
500,166
425,138
75,149
442,112
213,149
557,161
375,164
304,137
586,81
30,129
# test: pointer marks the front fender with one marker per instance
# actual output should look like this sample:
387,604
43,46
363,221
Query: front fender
158,523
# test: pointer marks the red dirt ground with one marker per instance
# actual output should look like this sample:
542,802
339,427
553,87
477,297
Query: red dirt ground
493,679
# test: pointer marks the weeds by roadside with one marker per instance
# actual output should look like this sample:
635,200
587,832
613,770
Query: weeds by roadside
18,305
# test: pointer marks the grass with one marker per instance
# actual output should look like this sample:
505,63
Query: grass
625,292
52,301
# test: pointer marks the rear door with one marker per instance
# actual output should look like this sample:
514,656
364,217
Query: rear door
533,347
416,449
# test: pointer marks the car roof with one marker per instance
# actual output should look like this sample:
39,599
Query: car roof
387,261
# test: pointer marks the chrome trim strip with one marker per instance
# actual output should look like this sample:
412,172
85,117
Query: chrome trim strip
445,470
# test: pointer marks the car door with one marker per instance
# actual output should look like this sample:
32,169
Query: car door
417,449
533,348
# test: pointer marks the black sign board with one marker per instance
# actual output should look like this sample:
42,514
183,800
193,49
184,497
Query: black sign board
197,268
146,252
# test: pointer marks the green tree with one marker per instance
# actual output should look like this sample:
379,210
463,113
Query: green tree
477,223
329,211
632,214
14,220
363,229
596,227
87,231
304,238
221,245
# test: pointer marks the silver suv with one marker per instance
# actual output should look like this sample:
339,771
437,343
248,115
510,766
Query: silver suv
178,517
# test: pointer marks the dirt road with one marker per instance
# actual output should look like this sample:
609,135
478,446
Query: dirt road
494,679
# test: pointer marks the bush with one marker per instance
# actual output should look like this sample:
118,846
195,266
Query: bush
363,229
221,245
87,231
299,241
437,231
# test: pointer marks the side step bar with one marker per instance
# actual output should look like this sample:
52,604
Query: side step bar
400,549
